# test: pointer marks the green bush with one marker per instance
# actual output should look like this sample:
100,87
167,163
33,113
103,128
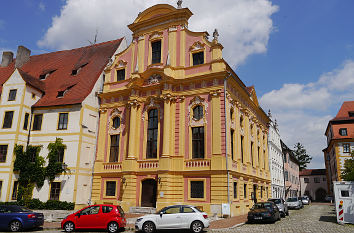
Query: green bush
36,204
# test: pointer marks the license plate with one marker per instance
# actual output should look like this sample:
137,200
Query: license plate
257,217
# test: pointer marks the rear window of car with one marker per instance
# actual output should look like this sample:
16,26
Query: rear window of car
292,199
187,210
121,211
197,209
17,209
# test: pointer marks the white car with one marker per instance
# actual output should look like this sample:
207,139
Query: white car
174,217
294,203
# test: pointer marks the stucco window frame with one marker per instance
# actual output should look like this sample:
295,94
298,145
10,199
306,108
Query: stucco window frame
7,149
204,180
105,189
154,37
12,119
146,123
50,189
197,47
58,121
121,65
40,127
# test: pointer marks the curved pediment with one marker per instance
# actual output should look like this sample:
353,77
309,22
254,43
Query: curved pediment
154,11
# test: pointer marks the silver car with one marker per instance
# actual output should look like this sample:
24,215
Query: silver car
174,217
282,206
305,200
294,203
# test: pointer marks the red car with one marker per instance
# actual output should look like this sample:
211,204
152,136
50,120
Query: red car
108,217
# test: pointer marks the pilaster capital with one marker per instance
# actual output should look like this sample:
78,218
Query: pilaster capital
215,93
133,103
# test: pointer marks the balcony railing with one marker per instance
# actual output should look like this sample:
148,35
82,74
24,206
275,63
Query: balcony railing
148,164
112,166
197,163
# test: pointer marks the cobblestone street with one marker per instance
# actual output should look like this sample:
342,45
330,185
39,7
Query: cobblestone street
313,218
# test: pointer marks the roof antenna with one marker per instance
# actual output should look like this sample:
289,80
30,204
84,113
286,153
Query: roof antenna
95,40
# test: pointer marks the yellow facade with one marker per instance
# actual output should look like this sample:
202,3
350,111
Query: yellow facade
173,157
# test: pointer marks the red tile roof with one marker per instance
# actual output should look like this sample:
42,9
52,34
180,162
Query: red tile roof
312,172
92,59
343,113
343,120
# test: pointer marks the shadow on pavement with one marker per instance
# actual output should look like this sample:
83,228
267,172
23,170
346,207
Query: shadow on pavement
328,219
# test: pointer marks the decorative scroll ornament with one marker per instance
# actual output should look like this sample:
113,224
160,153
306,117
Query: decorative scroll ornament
152,103
110,62
115,113
197,46
121,64
154,79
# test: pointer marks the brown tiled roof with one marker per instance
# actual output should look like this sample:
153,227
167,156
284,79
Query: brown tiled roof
343,120
92,59
312,172
343,113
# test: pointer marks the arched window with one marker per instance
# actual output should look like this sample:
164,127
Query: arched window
116,122
198,112
152,132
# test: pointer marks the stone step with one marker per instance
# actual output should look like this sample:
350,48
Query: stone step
142,210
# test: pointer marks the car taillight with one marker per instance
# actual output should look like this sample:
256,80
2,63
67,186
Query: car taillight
205,216
31,216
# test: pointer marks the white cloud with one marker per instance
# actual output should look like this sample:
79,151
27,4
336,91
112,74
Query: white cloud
41,6
303,110
244,25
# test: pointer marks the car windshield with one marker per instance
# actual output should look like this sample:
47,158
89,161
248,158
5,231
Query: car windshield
16,209
262,205
276,201
291,199
303,198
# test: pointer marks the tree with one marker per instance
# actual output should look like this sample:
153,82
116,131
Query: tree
301,156
348,172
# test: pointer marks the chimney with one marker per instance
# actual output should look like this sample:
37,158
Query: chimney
22,56
7,57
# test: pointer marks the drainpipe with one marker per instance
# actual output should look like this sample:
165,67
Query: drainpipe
226,145
29,125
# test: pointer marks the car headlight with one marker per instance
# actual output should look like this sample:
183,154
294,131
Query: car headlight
139,219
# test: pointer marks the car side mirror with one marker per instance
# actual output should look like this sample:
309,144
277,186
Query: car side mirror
78,215
161,213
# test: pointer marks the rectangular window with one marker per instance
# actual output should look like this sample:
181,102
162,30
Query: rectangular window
245,191
198,142
14,191
252,153
343,132
110,188
152,133
235,189
286,176
156,52
344,193
306,180
120,74
54,191
258,153
63,121
232,143
114,153
3,153
0,187
25,123
242,149
12,95
8,120
316,179
198,58
61,155
197,189
351,114
346,148
37,122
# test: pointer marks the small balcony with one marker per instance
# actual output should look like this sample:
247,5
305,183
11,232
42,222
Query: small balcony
197,164
148,165
112,167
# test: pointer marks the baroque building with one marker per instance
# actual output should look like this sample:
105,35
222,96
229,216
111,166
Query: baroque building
291,172
340,142
49,96
276,162
177,125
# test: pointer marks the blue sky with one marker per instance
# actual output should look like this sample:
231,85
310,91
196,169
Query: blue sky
298,54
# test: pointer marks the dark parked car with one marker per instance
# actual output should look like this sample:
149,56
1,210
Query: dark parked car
104,217
263,211
16,218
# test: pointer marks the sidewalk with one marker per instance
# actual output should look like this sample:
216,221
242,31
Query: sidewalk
214,224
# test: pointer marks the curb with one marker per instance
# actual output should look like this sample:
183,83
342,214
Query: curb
234,226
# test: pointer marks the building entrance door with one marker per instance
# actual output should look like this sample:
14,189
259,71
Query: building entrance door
148,193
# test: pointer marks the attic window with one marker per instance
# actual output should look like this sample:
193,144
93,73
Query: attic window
45,75
77,70
351,114
62,93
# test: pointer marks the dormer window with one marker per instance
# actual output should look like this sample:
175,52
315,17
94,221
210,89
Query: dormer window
156,52
62,93
198,58
77,70
12,95
45,74
351,114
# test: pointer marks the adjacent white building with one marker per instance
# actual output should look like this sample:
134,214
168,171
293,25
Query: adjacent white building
276,164
49,96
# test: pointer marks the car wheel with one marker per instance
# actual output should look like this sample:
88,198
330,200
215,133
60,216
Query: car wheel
282,214
197,226
15,226
149,227
287,213
112,227
69,227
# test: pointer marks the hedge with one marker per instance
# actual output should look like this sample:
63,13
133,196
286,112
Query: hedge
39,205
